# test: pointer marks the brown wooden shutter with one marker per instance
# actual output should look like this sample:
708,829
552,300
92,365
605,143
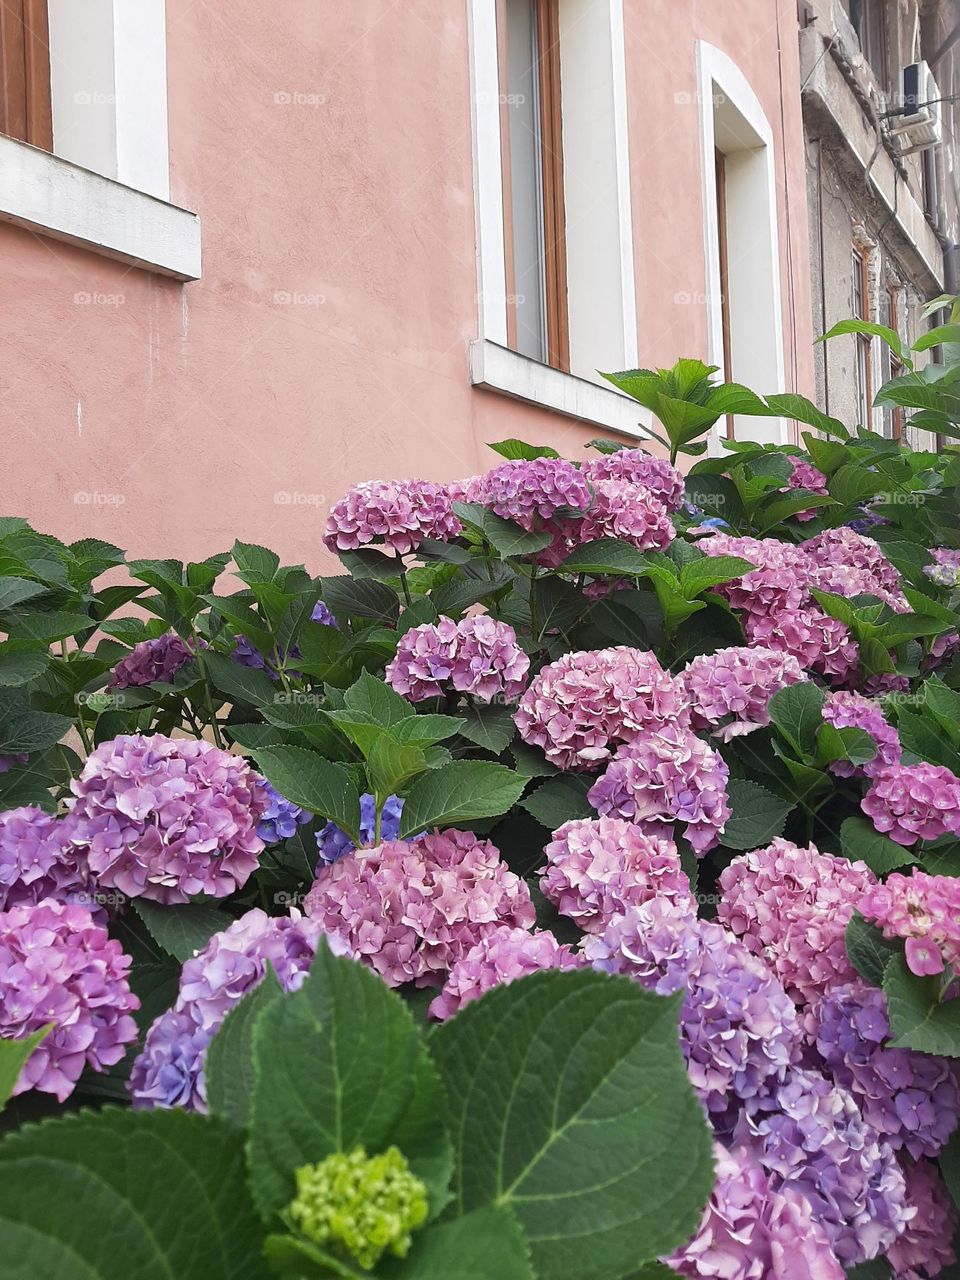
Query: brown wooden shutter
25,72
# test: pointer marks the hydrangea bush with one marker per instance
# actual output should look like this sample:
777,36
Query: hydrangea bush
563,889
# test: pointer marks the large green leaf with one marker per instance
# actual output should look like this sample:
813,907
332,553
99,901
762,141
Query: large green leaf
13,1054
560,799
229,1069
711,571
183,930
859,839
756,815
313,783
797,711
869,951
606,556
506,537
489,727
917,1018
25,730
237,682
513,449
570,1103
121,1193
340,1064
376,699
460,792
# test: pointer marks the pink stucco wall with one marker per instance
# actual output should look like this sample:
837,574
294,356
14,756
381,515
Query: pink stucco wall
327,340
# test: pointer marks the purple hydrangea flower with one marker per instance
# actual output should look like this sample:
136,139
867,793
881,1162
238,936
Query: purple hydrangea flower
59,967
166,818
531,491
411,911
910,1099
152,661
38,859
945,570
280,818
749,1231
820,643
791,907
580,706
738,1027
853,711
10,762
333,843
618,509
806,476
730,691
922,909
599,867
663,776
914,802
810,1137
845,546
497,959
169,1072
925,1248
477,655
322,615
656,475
399,513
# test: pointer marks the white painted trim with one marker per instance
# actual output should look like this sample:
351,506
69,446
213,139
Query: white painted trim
720,81
488,177
496,368
49,195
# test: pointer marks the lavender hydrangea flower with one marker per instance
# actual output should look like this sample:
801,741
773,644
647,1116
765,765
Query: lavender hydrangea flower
910,1099
804,475
853,711
665,776
497,959
922,909
411,911
59,967
580,706
738,1027
656,475
791,907
945,570
399,513
333,842
599,867
10,762
152,661
810,1137
169,1072
38,859
531,491
280,818
925,1248
914,802
165,818
749,1231
477,655
730,690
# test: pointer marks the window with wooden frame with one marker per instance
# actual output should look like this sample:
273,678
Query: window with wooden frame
528,37
869,20
25,111
864,354
890,366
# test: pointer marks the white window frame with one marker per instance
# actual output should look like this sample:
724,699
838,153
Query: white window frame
106,184
582,393
720,80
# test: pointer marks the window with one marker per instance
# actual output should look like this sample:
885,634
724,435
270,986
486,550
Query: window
532,146
869,20
861,311
25,72
890,366
724,256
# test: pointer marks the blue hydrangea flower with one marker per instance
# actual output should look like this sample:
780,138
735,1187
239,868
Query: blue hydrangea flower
281,818
333,842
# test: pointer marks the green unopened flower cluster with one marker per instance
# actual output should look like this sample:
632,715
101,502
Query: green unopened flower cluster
364,1205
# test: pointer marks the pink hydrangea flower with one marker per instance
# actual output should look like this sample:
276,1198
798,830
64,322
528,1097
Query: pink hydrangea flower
923,909
618,510
853,711
914,802
497,959
166,818
847,547
791,906
806,476
531,492
477,655
468,490
657,942
412,910
399,513
663,776
656,475
818,642
945,570
730,690
925,1248
600,867
59,967
848,581
779,581
749,1231
38,859
580,706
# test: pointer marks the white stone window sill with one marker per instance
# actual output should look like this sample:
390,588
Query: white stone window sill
497,368
51,196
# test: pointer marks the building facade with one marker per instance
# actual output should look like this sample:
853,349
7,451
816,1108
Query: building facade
250,258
